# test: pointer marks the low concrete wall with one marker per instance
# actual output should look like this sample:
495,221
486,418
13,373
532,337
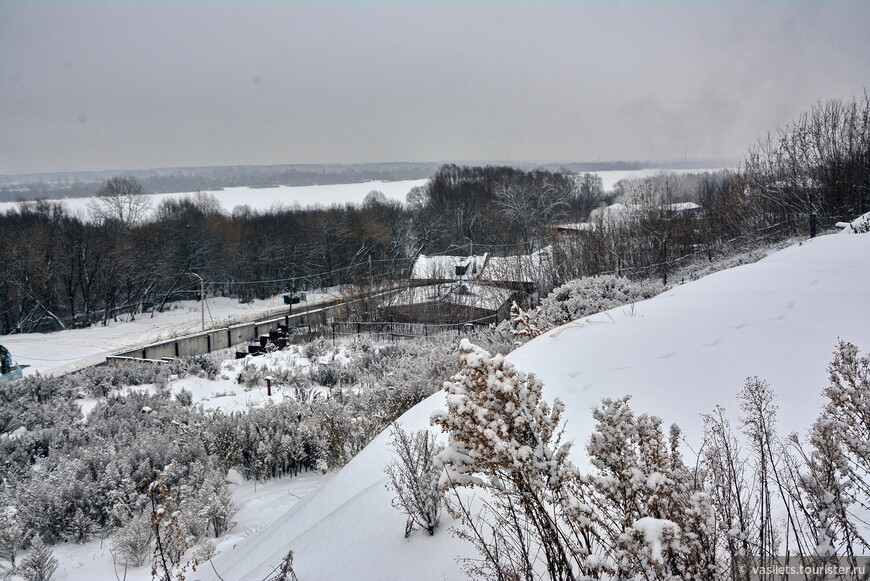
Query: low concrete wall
196,345
216,339
160,350
219,339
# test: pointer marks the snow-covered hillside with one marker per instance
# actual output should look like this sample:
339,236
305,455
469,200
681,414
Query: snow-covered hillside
678,354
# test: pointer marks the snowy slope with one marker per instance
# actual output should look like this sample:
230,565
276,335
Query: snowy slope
678,354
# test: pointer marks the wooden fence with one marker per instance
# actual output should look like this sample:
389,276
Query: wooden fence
398,331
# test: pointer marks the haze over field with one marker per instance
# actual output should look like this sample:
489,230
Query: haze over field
98,85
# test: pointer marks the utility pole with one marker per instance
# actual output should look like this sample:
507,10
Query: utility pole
201,298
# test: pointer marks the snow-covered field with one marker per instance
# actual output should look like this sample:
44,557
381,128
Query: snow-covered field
266,198
64,351
679,355
327,195
609,178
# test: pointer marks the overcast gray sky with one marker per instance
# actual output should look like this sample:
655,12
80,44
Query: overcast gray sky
126,85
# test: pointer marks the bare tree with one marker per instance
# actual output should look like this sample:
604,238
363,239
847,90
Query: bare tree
121,200
528,207
589,193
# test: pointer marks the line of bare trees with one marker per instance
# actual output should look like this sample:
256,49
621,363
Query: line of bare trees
813,171
57,269
819,163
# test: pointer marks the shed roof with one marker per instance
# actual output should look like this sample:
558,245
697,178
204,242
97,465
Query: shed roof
444,267
467,294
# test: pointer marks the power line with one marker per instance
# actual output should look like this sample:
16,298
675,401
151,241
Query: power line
306,276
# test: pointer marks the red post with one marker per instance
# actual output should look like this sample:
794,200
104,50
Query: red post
269,386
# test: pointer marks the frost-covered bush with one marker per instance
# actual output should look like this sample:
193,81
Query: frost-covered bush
640,514
860,225
644,501
837,482
132,542
12,534
593,294
39,564
251,375
315,349
184,397
206,365
171,540
206,503
99,381
528,324
503,438
414,478
325,374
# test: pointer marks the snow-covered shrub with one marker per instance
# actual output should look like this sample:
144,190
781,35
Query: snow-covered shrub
132,541
99,381
528,324
12,533
495,418
206,504
414,478
860,225
184,397
315,349
641,514
250,374
171,540
325,374
837,482
652,516
39,564
847,412
503,438
207,365
302,390
79,528
592,294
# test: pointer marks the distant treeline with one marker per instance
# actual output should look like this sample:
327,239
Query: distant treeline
158,181
15,188
57,269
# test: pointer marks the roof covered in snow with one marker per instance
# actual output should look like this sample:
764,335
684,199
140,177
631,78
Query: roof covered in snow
445,267
521,268
518,268
466,294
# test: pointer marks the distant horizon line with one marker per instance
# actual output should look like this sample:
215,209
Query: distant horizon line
692,163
